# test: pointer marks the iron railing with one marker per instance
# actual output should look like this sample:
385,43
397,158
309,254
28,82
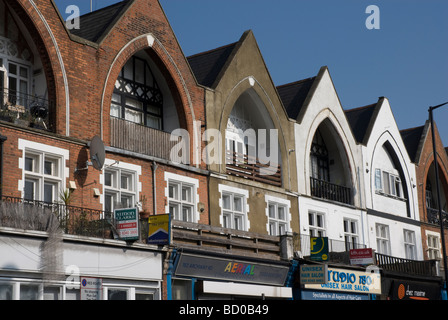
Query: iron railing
24,109
330,191
408,266
39,215
432,216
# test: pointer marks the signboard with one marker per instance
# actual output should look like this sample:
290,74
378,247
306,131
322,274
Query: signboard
361,256
413,290
322,295
230,270
126,221
350,281
91,288
319,248
313,274
159,229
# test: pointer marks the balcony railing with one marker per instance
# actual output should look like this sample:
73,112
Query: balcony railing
137,138
243,165
330,191
43,216
425,267
433,216
24,109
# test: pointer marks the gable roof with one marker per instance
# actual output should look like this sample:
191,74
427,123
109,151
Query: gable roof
93,26
413,139
360,120
206,66
293,95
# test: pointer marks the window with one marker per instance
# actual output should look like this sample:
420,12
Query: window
181,200
119,189
43,176
382,239
409,244
233,211
350,234
320,164
433,247
388,183
277,219
316,222
137,96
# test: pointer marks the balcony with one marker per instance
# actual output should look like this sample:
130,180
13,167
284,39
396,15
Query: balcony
250,168
414,267
24,214
330,191
432,216
25,110
137,138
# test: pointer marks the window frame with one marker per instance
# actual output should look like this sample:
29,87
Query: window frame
410,245
389,184
382,239
351,237
315,229
179,202
115,190
228,215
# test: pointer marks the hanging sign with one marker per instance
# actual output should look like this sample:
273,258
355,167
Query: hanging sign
361,256
319,248
126,221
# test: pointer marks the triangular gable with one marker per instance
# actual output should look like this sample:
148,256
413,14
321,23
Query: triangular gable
414,139
94,26
293,95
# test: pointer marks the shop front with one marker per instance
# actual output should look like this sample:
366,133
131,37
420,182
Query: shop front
342,284
396,288
203,276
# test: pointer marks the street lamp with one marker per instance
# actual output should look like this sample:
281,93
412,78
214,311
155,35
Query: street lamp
436,169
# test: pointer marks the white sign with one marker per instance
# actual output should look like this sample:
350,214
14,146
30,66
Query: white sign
350,281
127,223
91,288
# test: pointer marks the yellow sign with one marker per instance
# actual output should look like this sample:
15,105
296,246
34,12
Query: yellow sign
159,229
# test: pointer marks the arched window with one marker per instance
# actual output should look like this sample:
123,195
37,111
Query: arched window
320,164
137,96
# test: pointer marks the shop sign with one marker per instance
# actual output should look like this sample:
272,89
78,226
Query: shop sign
412,290
350,281
126,221
319,248
327,295
159,229
230,270
361,256
91,288
314,274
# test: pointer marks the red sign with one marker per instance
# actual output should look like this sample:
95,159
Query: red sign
361,256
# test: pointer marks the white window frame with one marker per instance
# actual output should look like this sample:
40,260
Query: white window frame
40,153
120,169
182,181
409,244
434,244
229,214
317,229
393,187
274,223
382,235
351,237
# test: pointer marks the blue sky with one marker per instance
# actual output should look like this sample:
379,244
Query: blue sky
406,60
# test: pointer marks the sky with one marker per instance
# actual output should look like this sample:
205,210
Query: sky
405,60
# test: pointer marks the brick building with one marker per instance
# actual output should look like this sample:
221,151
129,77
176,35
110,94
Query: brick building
112,115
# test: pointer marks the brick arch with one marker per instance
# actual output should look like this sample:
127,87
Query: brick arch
167,67
50,55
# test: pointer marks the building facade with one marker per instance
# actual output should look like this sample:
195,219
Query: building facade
110,115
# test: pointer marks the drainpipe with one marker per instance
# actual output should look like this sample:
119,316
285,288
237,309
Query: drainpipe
154,198
2,140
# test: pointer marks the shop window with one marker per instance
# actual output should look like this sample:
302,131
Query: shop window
316,222
382,239
29,292
117,294
6,291
182,290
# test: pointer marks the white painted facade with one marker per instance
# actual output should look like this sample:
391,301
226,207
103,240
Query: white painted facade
396,213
